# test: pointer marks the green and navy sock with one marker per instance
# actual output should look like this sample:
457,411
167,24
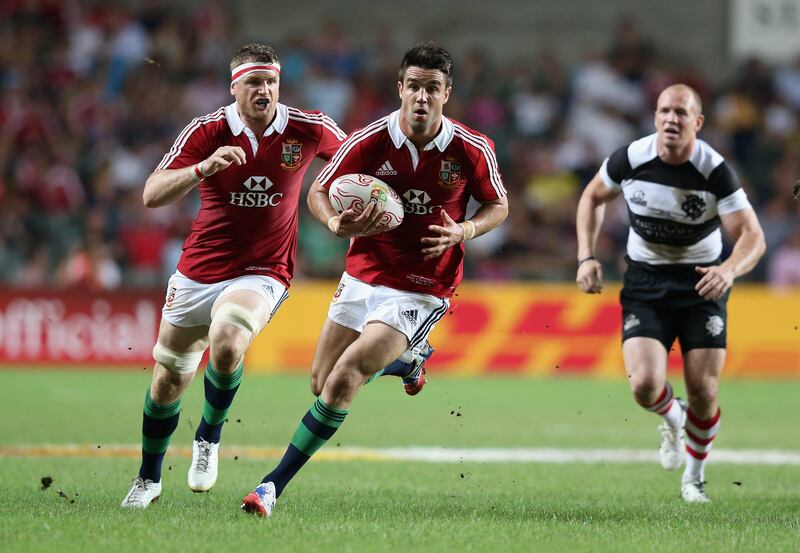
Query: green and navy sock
396,368
220,391
158,424
316,428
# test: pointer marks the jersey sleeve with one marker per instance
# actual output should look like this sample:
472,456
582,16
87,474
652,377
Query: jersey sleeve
730,194
348,159
331,138
487,184
193,145
615,168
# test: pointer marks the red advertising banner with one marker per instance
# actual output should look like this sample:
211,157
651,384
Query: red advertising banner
72,328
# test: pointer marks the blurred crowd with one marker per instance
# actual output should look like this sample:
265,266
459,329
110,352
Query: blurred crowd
92,95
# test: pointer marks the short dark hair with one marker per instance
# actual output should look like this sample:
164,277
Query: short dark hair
428,55
254,52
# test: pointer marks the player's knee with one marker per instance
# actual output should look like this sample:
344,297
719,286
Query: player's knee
228,345
177,362
702,394
645,387
343,381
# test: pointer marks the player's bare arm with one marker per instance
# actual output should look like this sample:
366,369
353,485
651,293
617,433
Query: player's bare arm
744,227
487,216
348,223
169,185
591,211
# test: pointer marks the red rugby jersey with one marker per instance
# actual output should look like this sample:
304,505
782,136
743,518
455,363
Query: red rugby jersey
247,222
457,164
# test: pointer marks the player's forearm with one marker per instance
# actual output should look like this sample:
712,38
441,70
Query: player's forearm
167,186
319,204
589,219
749,248
489,216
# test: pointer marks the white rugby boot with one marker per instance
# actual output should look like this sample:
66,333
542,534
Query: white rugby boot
693,490
260,501
142,494
672,450
203,470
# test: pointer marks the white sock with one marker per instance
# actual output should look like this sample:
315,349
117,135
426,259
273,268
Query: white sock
674,416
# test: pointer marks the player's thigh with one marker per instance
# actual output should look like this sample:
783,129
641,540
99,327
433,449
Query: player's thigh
333,340
260,295
647,335
645,362
378,345
242,309
702,369
183,339
704,325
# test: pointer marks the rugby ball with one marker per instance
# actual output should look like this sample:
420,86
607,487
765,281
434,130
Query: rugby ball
356,190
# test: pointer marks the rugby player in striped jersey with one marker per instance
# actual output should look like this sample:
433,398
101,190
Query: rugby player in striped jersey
679,193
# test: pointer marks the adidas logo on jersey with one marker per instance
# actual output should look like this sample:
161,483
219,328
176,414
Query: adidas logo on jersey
385,169
411,315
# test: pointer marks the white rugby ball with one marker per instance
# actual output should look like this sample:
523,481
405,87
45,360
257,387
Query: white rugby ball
355,190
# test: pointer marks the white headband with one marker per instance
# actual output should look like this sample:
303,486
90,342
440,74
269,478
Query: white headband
241,71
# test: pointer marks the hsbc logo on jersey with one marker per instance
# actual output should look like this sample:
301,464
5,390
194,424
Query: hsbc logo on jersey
416,202
258,194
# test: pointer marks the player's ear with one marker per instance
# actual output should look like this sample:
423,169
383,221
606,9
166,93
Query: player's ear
233,89
447,94
400,89
699,123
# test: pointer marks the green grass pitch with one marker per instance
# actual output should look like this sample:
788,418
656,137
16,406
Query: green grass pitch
359,505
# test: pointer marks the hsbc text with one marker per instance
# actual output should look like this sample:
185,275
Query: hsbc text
420,209
255,199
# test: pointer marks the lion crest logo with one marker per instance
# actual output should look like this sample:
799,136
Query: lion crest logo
291,154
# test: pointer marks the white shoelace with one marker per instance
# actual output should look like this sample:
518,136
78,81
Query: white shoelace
204,455
137,491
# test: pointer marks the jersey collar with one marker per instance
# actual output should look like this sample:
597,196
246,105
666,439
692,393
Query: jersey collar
441,141
237,125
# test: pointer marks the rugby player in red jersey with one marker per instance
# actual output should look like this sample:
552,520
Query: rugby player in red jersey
397,284
248,159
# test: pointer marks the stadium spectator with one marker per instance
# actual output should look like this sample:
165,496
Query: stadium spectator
784,265
678,191
60,86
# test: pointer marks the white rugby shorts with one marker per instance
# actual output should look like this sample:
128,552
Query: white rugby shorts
188,302
357,303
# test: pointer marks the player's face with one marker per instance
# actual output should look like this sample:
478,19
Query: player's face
677,119
423,94
257,95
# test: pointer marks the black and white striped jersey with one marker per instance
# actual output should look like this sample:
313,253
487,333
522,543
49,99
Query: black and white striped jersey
674,209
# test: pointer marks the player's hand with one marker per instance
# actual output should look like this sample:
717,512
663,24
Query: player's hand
715,282
222,159
366,223
590,277
449,234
